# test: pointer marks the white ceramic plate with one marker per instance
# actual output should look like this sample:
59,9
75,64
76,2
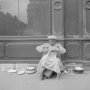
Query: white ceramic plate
12,71
21,72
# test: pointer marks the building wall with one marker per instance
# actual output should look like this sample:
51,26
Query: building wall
67,19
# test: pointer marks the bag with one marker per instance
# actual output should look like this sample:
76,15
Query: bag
48,73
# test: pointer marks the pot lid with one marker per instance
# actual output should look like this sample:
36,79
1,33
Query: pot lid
78,68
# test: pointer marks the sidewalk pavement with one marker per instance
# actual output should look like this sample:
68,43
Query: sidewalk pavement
33,82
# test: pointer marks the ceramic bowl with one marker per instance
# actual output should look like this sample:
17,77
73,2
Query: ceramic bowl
78,70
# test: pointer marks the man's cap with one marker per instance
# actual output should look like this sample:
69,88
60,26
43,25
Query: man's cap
51,37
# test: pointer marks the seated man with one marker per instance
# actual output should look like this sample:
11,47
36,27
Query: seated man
50,61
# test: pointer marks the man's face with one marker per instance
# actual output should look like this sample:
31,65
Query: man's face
52,41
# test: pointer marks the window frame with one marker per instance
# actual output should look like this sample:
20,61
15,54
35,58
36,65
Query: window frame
32,36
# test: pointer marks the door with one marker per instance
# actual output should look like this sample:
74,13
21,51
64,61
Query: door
77,30
73,29
86,30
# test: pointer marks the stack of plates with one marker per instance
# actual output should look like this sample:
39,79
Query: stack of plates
30,70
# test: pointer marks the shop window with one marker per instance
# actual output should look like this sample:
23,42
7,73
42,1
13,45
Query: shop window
24,17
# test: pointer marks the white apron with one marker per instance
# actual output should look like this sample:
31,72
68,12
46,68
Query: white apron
50,61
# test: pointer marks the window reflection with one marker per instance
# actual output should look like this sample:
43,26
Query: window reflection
24,17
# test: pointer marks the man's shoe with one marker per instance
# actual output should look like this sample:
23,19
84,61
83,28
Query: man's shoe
42,78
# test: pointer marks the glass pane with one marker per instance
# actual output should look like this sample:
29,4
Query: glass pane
24,17
8,17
